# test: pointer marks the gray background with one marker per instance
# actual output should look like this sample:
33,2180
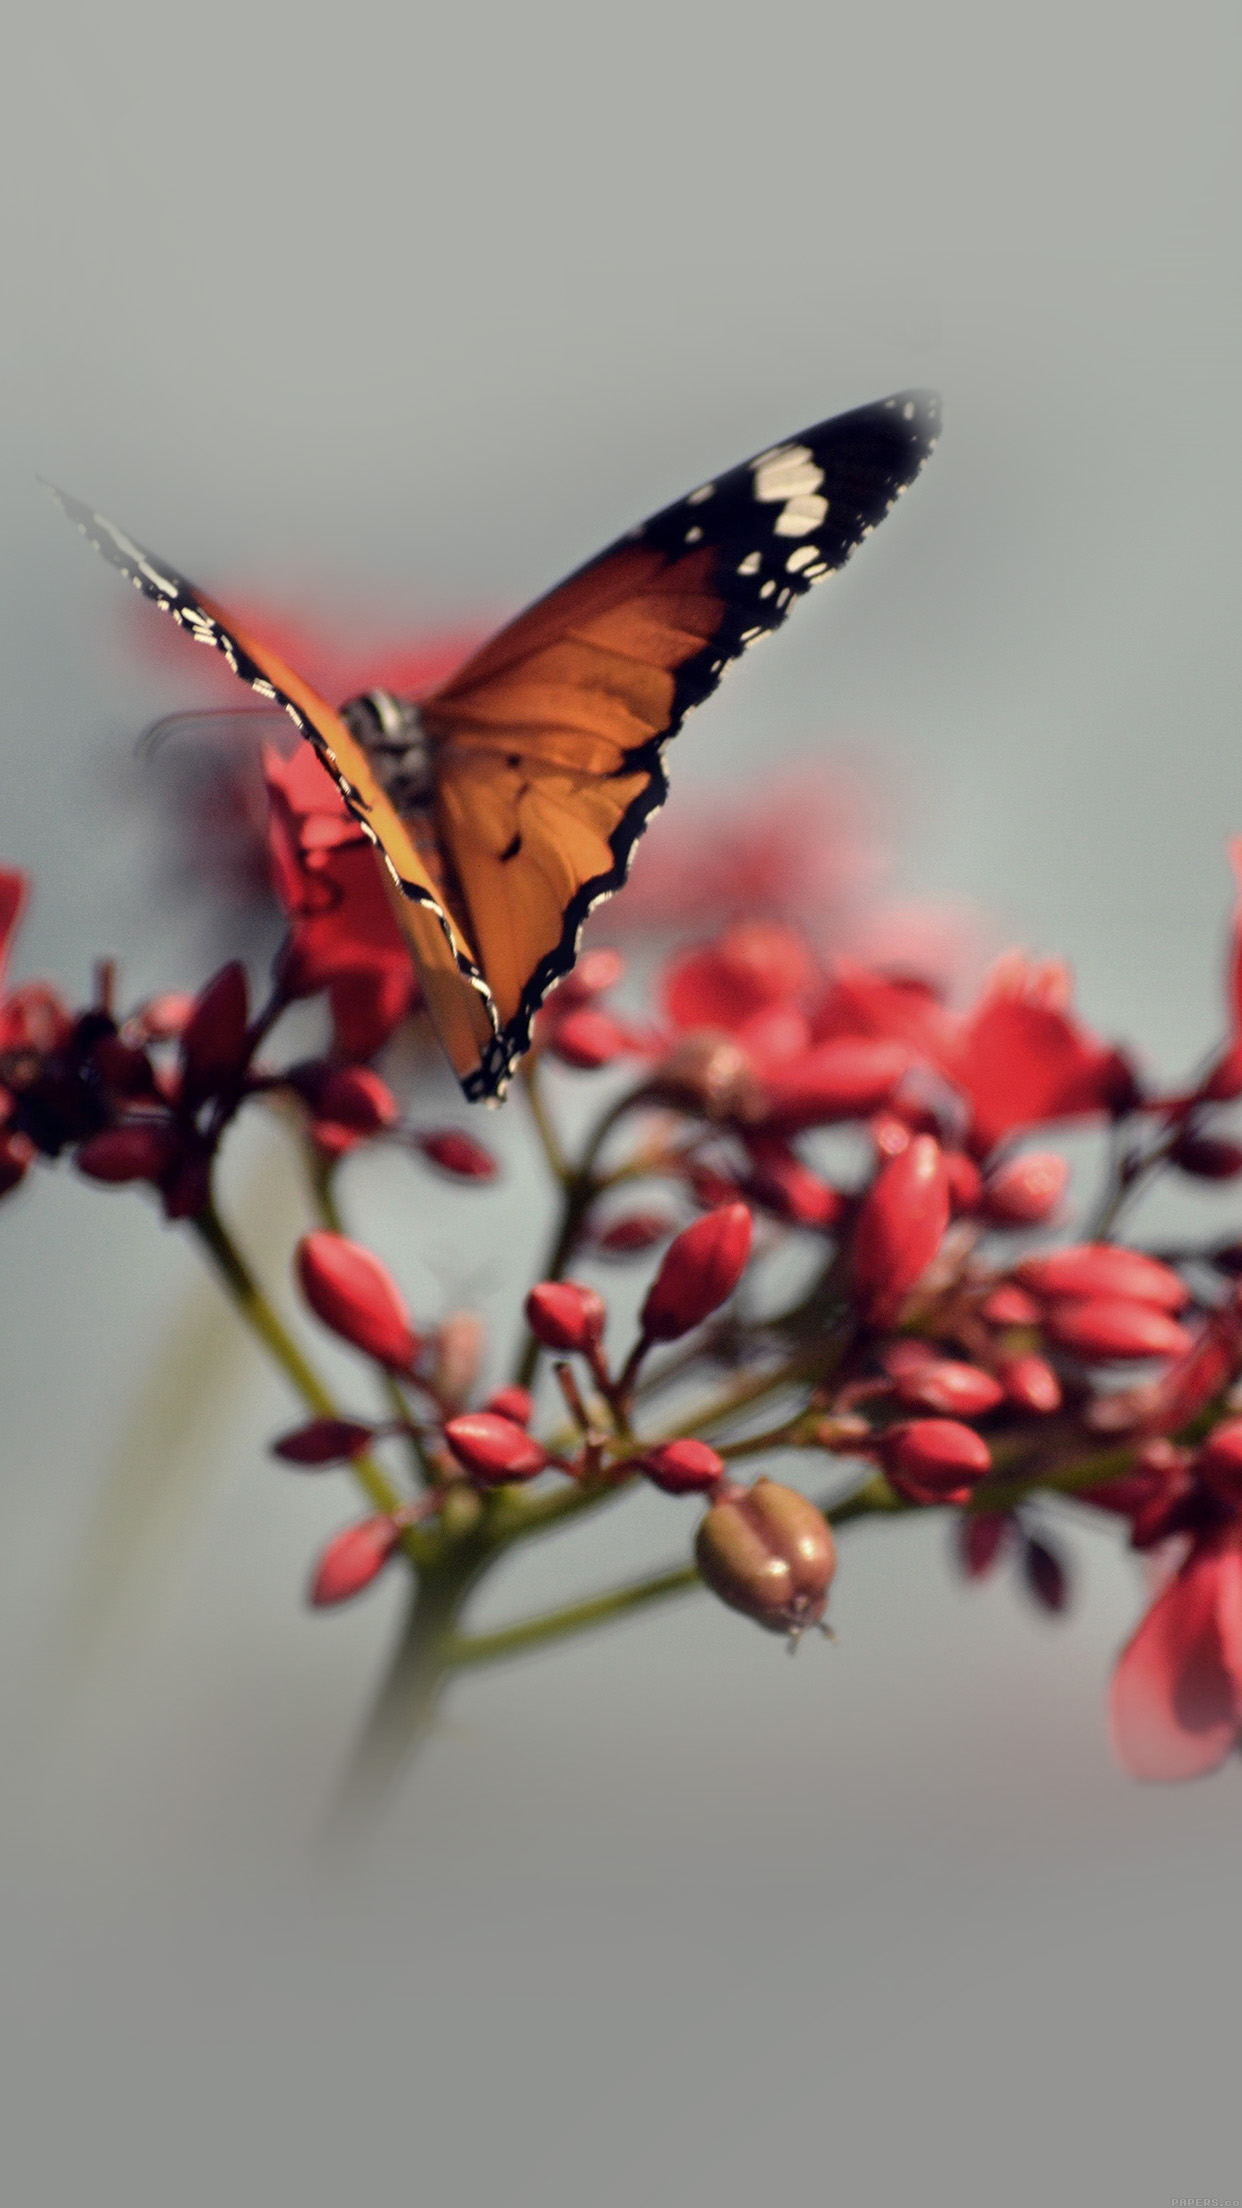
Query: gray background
393,315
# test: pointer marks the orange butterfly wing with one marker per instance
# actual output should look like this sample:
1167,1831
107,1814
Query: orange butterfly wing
548,743
456,994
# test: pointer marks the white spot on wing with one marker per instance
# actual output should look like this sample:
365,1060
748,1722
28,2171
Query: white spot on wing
750,565
705,491
803,557
800,515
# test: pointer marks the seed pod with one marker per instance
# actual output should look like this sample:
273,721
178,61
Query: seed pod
562,1314
352,1560
700,1270
683,1467
934,1460
1102,1330
1026,1191
492,1449
1104,1269
899,1229
357,1297
770,1553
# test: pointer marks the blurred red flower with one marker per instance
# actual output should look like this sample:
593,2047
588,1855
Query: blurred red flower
1176,1704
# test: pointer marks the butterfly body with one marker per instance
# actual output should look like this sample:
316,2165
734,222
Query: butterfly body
508,803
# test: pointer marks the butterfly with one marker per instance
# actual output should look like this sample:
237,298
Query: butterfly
507,804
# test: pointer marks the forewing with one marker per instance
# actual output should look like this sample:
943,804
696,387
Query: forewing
548,743
457,995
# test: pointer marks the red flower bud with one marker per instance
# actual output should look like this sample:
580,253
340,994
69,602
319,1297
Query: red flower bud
683,1467
357,1297
1009,1306
934,1460
849,1079
899,1229
942,1384
457,1353
595,972
711,1075
1104,1269
349,1104
1045,1575
459,1154
587,1039
16,1153
185,1183
121,1154
1031,1383
1224,1082
492,1449
564,1315
1207,1157
513,1403
769,1553
982,1537
965,1181
1102,1329
323,1441
162,1019
1027,1190
1219,1461
783,1184
214,1042
632,1232
352,1560
700,1270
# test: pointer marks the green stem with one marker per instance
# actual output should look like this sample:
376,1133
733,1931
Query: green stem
576,1617
259,1316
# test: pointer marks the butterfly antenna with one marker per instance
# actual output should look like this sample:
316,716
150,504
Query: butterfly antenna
157,733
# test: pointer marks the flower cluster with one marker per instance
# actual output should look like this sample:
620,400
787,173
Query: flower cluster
858,1260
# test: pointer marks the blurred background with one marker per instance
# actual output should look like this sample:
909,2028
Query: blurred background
387,317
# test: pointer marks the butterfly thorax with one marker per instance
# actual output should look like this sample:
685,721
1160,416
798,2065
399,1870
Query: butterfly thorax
391,734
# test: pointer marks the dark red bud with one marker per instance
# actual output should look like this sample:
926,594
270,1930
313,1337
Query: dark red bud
633,1232
1026,1191
562,1314
1045,1575
711,1075
683,1467
1031,1383
842,1080
123,1068
355,1098
934,1460
121,1154
492,1449
185,1184
1104,1269
962,1391
458,1153
899,1228
1224,1082
16,1154
323,1441
512,1403
982,1538
783,1184
965,1181
769,1553
587,1039
1219,1461
1103,1329
352,1560
1207,1157
1009,1306
355,1295
699,1271
214,1042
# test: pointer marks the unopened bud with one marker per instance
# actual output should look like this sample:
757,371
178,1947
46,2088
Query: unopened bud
982,1538
1026,1191
1207,1157
213,1044
458,1153
352,1560
965,1181
1009,1305
700,1270
963,1391
121,1154
770,1553
357,1297
1219,1461
934,1460
323,1441
683,1467
564,1315
351,1099
1031,1383
783,1184
513,1403
492,1449
1104,1330
633,1232
1104,1269
595,972
588,1039
1046,1577
899,1229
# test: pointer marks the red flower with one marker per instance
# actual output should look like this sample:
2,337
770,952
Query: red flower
343,935
1176,1703
1022,1058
